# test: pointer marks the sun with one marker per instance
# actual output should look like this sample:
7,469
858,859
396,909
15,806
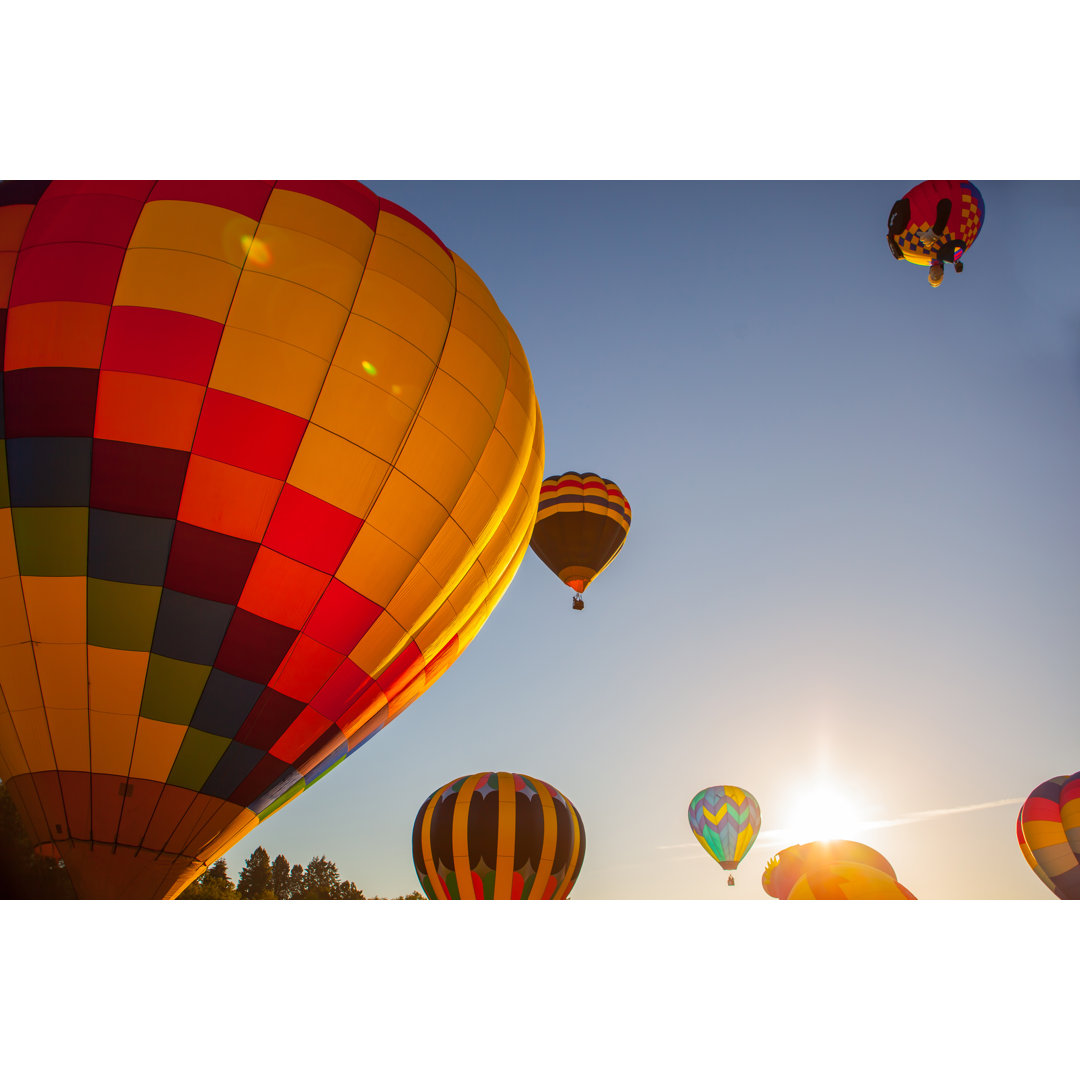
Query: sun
823,813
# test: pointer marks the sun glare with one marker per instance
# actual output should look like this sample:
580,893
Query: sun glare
824,814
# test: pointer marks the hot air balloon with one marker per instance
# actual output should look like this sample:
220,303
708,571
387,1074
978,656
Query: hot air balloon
787,866
581,523
848,881
270,455
934,223
832,870
498,836
725,820
1040,873
1048,829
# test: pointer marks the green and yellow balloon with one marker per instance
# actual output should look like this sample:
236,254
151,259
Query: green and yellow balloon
726,821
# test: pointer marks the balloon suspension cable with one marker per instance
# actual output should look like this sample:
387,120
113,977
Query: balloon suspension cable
578,604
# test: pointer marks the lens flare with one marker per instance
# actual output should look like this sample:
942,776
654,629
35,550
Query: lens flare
257,251
369,367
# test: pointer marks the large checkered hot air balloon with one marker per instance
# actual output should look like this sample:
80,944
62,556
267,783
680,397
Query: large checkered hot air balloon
581,525
936,222
726,821
1048,830
498,836
270,454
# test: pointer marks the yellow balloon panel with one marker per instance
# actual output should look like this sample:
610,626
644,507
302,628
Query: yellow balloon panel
308,261
31,730
465,361
390,362
432,281
177,281
197,228
56,609
396,308
361,411
311,217
338,471
435,463
117,677
259,368
376,565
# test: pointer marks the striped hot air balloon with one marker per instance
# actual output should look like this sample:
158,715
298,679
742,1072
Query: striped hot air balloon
581,524
1049,833
498,836
726,821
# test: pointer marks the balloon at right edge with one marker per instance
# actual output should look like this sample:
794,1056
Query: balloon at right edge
581,525
1048,831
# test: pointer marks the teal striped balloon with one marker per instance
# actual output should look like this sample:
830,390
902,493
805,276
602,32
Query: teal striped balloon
726,821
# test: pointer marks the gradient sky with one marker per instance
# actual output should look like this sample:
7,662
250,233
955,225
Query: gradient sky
853,553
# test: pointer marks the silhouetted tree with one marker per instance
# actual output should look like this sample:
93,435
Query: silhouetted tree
255,881
279,878
416,894
25,875
348,890
296,882
321,879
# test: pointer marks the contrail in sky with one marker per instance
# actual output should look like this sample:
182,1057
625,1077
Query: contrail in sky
905,819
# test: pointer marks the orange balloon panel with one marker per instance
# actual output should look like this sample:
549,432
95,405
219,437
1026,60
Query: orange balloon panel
269,455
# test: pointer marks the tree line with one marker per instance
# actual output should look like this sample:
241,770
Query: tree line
263,879
25,875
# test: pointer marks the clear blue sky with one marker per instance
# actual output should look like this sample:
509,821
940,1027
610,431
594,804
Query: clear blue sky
854,543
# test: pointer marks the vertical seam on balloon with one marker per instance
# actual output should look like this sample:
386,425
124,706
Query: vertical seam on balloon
401,445
459,838
97,392
333,575
30,636
425,846
391,464
547,848
504,841
258,224
569,875
22,593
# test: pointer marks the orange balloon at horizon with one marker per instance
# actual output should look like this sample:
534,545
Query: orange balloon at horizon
270,455
832,870
848,881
